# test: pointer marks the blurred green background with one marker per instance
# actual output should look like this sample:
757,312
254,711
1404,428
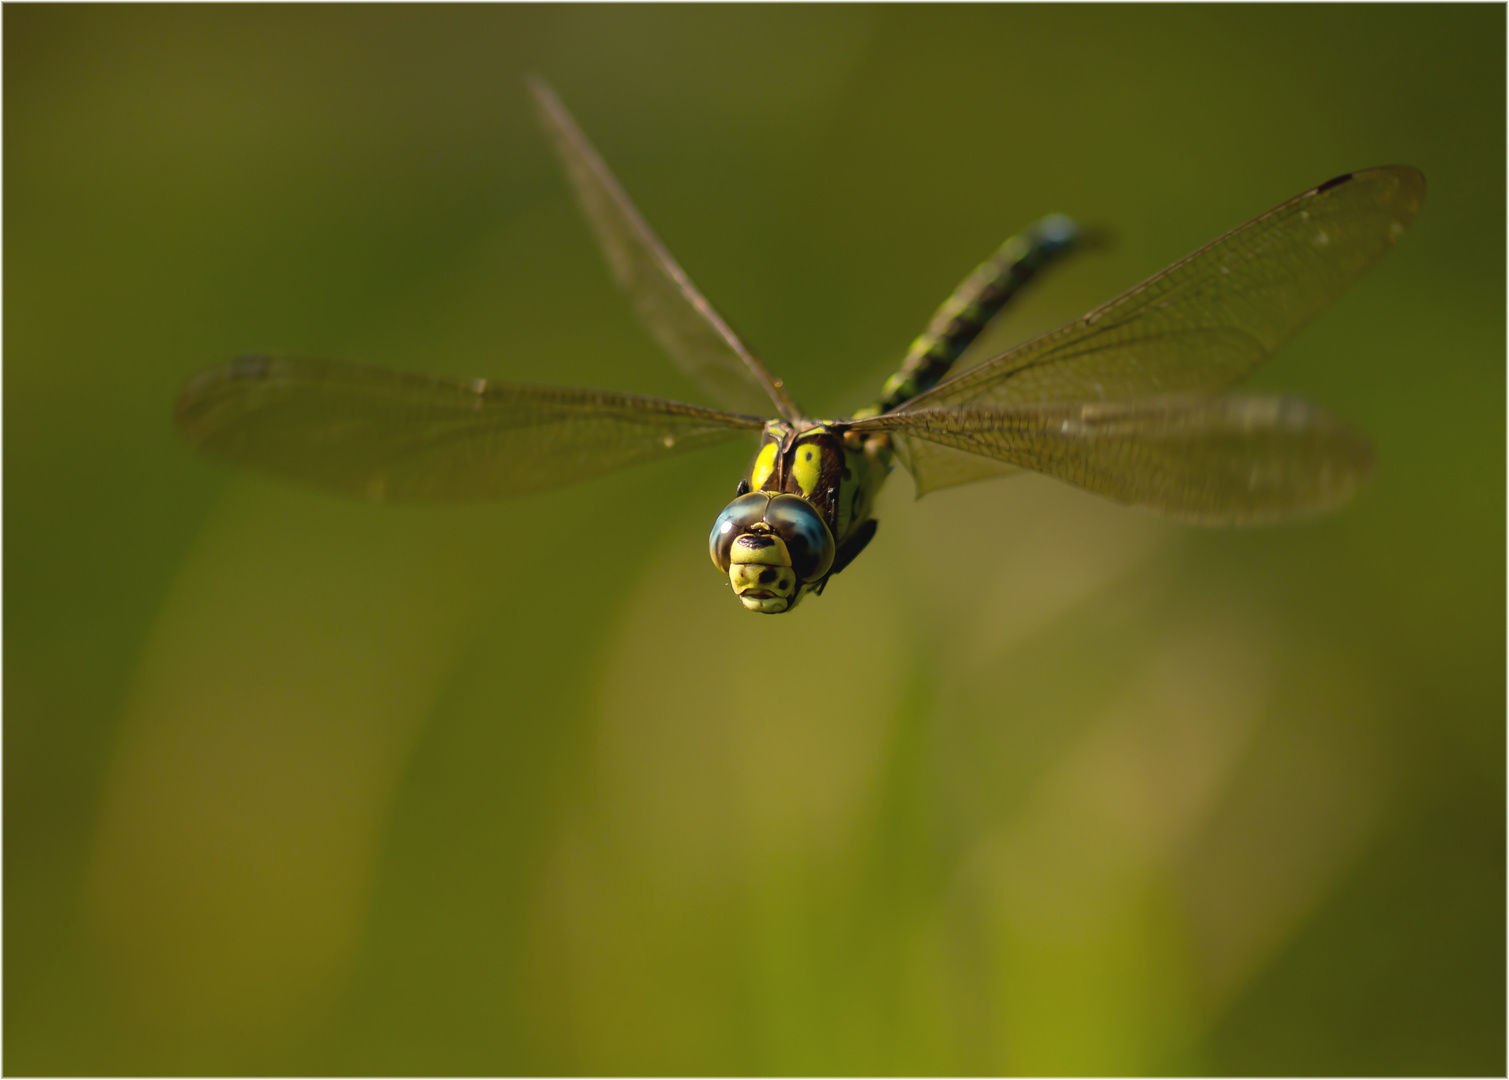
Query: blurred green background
1041,785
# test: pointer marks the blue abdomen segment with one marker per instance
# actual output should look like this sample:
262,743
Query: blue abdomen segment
974,303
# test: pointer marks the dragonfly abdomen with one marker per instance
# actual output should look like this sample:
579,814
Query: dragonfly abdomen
974,303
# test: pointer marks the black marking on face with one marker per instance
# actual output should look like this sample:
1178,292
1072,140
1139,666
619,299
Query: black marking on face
756,541
1336,182
767,576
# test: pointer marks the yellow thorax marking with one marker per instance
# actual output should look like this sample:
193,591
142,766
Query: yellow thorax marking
764,465
806,467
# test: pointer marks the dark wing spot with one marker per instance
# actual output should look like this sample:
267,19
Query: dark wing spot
1337,182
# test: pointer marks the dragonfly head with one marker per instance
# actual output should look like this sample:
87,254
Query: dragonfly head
770,546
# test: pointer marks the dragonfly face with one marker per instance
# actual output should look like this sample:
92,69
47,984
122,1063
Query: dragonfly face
773,549
802,514
1127,401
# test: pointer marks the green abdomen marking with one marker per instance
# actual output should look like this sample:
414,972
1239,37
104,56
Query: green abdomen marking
963,315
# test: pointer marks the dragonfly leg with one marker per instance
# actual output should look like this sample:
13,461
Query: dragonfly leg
849,549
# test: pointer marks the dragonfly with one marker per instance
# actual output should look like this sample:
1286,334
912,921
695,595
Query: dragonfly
1128,401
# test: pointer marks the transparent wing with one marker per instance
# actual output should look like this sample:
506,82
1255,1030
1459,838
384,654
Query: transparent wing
934,466
1212,317
669,305
1234,460
391,435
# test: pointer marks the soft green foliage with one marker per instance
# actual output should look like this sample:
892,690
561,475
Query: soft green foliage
295,784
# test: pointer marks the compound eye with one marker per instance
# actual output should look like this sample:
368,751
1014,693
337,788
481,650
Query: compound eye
738,517
807,538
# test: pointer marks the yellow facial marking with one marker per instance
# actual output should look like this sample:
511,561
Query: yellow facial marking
764,465
761,550
766,589
806,467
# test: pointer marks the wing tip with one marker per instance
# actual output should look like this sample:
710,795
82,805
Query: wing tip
194,407
553,115
1335,181
543,93
1402,186
193,402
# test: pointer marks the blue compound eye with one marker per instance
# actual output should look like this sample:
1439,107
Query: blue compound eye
807,538
738,517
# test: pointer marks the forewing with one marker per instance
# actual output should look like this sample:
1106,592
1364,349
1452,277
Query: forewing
1228,460
1210,318
669,305
390,435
